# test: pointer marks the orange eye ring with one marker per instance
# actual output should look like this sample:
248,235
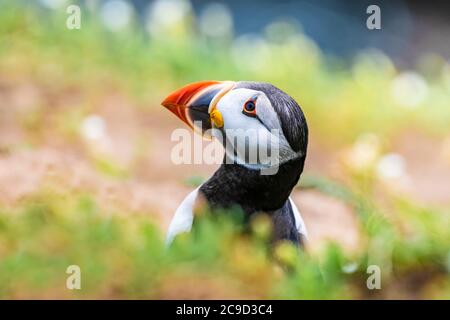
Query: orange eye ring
249,108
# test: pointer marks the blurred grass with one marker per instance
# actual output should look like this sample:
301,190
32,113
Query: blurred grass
122,255
40,48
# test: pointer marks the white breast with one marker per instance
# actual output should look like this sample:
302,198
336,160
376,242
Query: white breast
184,216
299,223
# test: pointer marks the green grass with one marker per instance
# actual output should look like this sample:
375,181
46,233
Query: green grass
123,256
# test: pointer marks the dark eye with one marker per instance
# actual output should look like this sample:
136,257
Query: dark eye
249,108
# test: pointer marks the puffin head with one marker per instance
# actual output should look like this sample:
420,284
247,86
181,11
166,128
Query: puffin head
259,125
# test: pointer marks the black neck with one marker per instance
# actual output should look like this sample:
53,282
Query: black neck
235,184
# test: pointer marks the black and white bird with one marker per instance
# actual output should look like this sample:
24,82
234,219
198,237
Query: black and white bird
262,185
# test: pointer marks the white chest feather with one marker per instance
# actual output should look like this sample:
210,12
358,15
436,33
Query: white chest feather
184,216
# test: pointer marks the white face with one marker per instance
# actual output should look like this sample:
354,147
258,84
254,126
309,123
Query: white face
250,121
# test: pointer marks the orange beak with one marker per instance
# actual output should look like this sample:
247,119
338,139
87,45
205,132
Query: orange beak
194,102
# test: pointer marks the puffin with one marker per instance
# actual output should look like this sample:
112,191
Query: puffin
259,171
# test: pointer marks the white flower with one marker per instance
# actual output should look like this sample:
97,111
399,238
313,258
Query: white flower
250,51
350,267
391,166
364,151
163,14
409,89
116,14
93,127
216,20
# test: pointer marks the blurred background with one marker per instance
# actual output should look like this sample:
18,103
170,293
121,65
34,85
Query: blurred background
85,170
